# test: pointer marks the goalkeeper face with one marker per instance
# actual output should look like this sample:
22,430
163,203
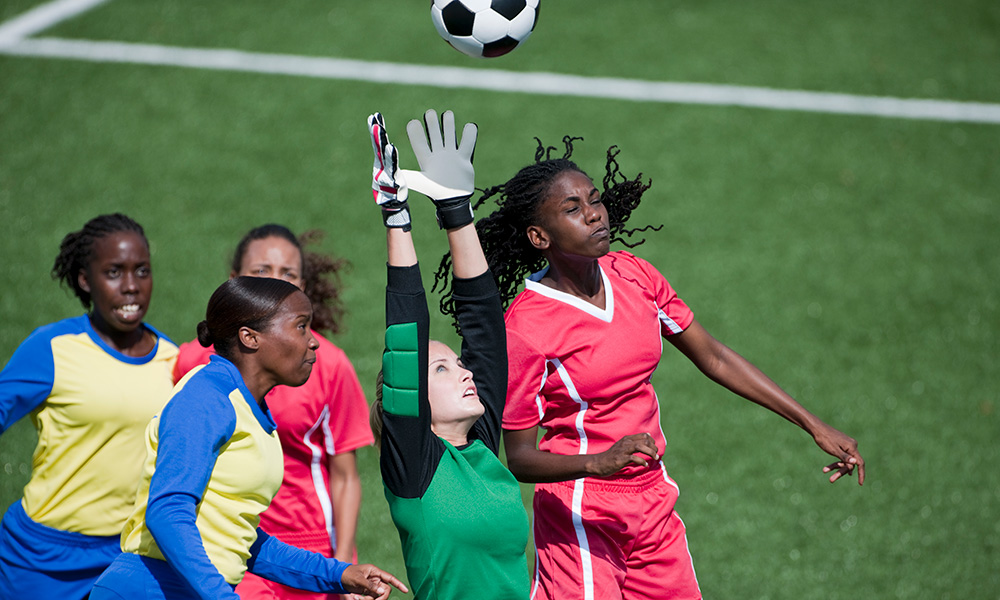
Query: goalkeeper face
451,391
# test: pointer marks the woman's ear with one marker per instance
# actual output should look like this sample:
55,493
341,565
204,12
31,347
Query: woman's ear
249,338
81,280
537,237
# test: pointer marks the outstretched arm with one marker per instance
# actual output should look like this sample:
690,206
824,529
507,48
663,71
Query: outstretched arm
724,366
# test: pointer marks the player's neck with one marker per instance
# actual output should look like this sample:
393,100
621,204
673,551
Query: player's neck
581,279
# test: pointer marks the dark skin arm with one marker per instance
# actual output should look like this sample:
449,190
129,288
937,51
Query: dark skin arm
531,465
727,368
722,365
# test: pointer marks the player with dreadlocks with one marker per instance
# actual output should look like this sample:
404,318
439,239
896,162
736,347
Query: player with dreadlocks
90,383
583,340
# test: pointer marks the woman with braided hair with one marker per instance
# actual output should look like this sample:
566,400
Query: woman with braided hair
583,340
90,383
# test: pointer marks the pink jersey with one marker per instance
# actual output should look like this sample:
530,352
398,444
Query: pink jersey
325,416
583,373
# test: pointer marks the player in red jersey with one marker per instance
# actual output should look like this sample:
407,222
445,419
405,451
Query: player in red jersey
320,424
584,338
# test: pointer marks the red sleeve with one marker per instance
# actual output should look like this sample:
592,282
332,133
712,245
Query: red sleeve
675,316
526,367
190,355
349,428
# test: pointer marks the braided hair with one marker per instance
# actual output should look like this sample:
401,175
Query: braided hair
77,250
510,255
320,273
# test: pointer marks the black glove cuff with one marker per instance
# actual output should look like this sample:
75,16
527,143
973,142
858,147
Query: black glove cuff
454,212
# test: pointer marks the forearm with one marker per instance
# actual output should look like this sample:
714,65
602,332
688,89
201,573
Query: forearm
277,561
467,256
740,376
539,466
399,245
345,494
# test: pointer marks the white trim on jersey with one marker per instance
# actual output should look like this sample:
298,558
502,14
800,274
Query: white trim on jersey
586,562
316,469
538,396
670,323
533,283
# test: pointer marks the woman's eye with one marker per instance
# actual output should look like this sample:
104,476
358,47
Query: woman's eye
440,369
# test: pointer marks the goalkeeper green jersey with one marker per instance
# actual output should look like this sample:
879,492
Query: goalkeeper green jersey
458,510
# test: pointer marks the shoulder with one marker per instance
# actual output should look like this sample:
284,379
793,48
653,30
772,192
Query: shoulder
622,261
70,326
204,391
39,342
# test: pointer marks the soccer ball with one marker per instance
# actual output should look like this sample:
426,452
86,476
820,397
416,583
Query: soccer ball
484,28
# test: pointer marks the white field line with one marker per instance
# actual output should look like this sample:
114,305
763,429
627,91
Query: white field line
42,17
552,84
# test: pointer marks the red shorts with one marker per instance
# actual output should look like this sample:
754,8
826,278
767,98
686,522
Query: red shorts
611,540
253,587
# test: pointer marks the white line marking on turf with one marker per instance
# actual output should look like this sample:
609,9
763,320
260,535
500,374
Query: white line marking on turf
553,84
42,17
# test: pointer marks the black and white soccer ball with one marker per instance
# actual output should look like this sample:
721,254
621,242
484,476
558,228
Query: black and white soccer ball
484,28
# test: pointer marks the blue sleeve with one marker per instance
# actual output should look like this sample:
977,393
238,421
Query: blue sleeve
192,430
277,561
26,380
172,522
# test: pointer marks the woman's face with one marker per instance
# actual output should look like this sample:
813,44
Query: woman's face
450,389
273,257
119,280
287,348
572,219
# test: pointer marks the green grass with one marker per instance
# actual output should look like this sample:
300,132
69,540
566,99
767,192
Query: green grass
854,259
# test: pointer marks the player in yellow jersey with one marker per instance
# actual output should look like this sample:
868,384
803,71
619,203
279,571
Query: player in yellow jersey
214,463
90,384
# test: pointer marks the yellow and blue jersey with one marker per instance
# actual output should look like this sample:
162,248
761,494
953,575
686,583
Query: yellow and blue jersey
214,444
90,405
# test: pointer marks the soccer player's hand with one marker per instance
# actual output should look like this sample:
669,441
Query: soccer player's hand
446,174
630,450
388,183
845,449
369,581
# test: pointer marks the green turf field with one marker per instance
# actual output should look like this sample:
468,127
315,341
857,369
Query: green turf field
854,258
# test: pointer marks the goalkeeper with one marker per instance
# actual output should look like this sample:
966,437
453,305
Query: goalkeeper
437,415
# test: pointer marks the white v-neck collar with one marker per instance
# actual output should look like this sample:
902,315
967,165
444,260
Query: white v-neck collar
533,283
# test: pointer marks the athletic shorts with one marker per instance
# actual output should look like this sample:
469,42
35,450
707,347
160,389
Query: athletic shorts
611,540
257,588
42,563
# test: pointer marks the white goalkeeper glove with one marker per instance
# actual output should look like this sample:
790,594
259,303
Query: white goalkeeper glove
446,175
388,183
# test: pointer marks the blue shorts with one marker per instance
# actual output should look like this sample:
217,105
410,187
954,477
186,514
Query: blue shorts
134,577
43,563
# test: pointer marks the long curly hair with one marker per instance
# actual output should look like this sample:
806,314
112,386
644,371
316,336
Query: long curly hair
320,272
510,255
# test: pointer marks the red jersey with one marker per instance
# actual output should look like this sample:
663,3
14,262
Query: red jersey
325,416
583,373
